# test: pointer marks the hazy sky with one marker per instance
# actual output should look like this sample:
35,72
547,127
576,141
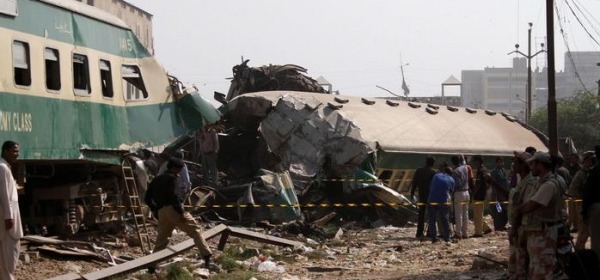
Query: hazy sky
357,45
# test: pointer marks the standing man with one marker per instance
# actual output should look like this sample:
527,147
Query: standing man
165,196
518,259
576,193
543,216
500,194
574,165
479,194
420,182
208,150
461,197
440,189
591,203
11,230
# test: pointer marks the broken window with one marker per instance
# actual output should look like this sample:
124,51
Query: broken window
133,83
106,78
21,64
52,69
81,75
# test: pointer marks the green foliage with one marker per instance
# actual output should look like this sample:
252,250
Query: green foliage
178,271
575,118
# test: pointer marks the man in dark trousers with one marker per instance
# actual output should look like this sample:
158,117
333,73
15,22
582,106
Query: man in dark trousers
440,189
420,182
165,196
591,203
479,194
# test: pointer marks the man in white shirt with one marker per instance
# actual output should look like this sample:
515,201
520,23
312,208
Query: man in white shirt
11,230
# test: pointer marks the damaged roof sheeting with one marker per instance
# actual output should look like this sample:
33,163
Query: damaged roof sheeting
300,117
303,130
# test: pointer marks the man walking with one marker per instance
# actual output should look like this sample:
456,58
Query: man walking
543,215
11,230
165,196
420,183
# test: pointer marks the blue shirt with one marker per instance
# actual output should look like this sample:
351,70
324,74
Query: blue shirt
440,188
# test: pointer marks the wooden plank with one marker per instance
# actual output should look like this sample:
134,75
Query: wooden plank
148,260
243,233
223,240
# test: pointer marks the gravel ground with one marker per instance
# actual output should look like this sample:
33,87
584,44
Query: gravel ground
380,253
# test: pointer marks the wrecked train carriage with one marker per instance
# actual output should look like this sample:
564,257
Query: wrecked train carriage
333,136
79,91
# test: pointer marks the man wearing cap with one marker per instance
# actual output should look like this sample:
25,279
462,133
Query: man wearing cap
576,194
165,195
543,215
517,262
591,203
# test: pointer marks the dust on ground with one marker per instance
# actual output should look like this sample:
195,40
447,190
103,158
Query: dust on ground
378,253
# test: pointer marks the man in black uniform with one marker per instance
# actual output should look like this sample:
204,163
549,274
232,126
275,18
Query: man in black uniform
165,198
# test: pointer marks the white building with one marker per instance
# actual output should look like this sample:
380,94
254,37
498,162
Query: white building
505,89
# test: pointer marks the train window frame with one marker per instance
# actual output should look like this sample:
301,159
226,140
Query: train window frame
133,83
9,7
52,71
105,71
83,73
21,65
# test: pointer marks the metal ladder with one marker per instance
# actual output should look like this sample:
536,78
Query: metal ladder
135,206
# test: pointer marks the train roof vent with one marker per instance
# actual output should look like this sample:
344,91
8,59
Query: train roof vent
392,103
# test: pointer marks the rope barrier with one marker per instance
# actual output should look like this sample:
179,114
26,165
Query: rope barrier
336,205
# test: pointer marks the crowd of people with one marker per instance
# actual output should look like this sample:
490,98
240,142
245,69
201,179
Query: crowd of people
538,201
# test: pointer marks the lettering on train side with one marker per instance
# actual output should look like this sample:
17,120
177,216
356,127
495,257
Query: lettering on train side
125,44
16,121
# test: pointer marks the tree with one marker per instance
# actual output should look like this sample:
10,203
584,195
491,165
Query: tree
577,118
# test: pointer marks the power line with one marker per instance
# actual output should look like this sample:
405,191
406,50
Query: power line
581,23
569,55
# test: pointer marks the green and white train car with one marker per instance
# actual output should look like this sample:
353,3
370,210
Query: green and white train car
77,89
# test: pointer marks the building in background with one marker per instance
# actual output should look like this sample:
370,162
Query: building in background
137,19
505,89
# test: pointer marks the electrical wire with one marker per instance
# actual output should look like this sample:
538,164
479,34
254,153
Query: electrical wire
581,23
583,12
569,49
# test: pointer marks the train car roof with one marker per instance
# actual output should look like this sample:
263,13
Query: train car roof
411,127
89,11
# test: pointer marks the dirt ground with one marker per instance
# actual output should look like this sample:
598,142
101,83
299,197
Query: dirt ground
379,253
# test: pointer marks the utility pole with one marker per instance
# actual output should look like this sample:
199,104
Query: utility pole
529,56
552,117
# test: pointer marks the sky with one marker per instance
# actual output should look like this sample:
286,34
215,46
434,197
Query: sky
358,45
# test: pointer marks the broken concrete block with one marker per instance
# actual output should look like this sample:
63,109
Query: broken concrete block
201,273
24,257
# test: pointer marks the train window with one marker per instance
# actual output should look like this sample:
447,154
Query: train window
21,64
52,69
106,78
133,84
9,7
81,75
